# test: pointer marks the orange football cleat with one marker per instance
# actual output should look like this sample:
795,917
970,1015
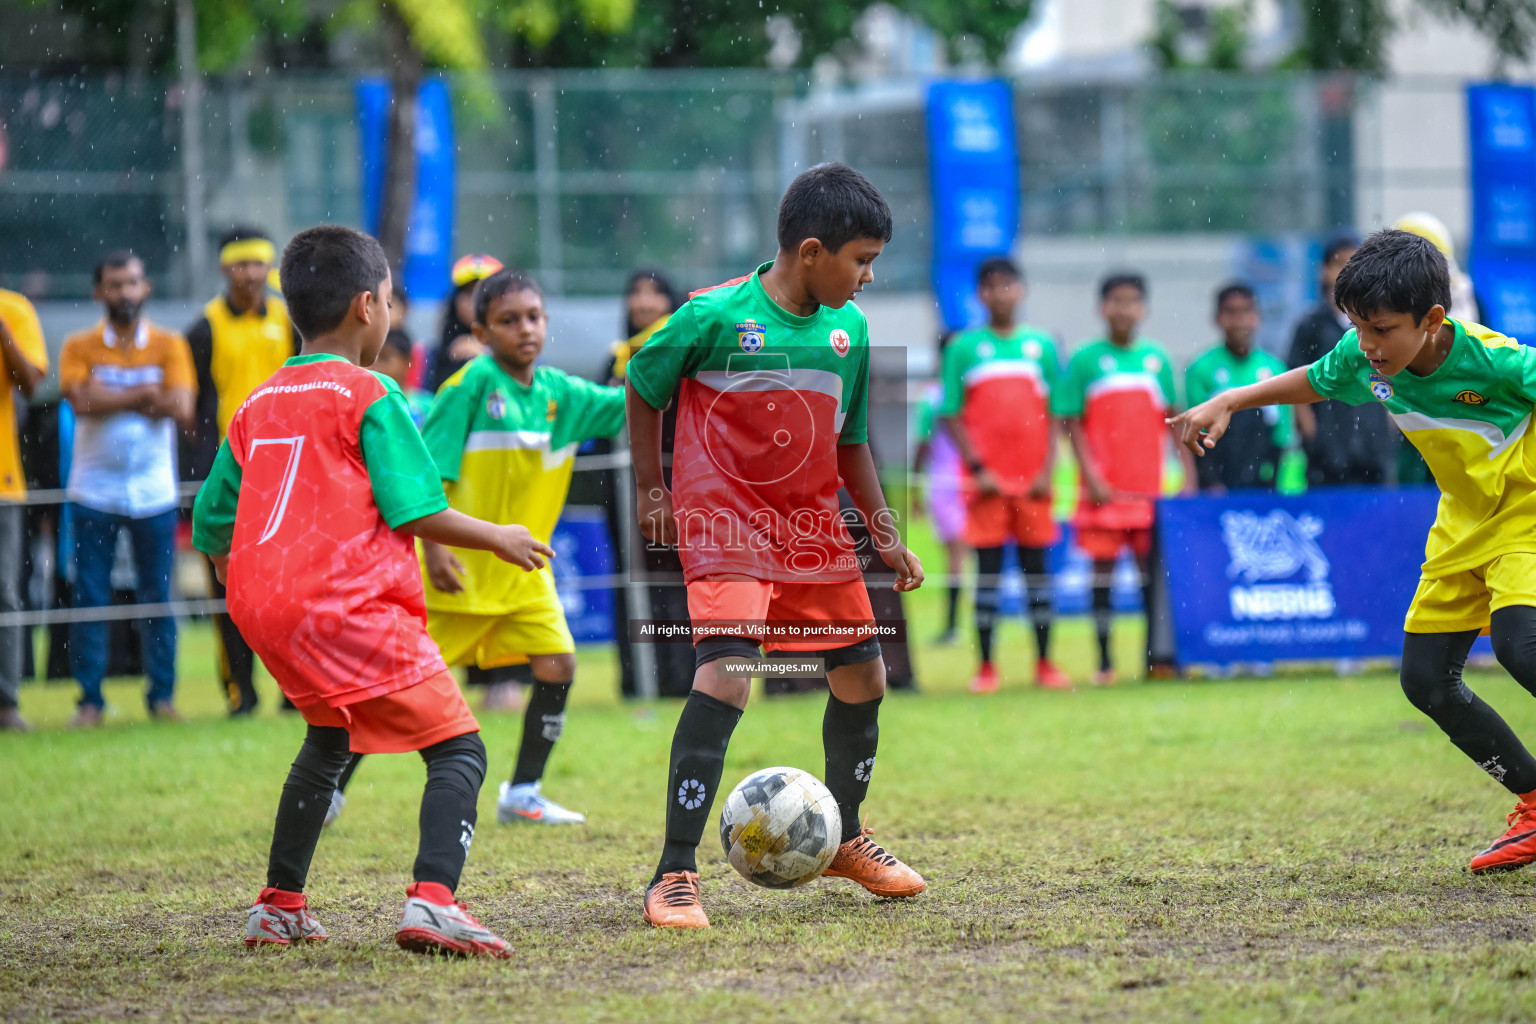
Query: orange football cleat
1516,847
862,860
674,902
1049,677
985,680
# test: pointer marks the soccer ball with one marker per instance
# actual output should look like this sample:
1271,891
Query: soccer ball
780,827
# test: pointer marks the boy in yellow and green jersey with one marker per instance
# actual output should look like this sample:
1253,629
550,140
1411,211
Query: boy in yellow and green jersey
1463,395
503,432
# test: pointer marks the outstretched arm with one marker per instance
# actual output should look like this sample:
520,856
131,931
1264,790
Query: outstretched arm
510,543
1201,427
857,467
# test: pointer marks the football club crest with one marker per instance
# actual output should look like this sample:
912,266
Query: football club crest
1032,350
496,406
1381,387
1151,363
839,340
1470,398
751,336
549,414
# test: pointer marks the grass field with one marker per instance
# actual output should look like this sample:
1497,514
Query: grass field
1289,849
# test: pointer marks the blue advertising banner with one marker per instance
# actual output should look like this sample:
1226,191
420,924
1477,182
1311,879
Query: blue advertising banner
1501,122
973,173
1263,577
583,554
429,233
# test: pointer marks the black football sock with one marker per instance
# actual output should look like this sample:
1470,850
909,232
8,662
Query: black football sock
543,721
301,809
1037,581
698,757
455,770
989,567
348,772
1431,678
1103,613
952,615
850,733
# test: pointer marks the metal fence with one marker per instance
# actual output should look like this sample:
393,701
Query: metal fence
583,174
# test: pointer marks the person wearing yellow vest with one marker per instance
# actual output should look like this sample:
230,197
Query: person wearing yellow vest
243,337
23,362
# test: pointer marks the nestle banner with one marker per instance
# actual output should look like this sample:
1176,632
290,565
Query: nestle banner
1501,132
1324,575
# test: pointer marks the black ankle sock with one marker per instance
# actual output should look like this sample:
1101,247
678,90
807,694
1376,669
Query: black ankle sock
698,757
952,616
984,642
1037,581
543,720
989,567
301,810
1103,609
850,733
455,770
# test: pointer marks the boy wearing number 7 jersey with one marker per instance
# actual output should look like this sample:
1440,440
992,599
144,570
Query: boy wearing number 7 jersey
309,515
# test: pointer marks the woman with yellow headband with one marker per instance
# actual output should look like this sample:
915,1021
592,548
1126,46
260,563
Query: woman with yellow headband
242,339
457,345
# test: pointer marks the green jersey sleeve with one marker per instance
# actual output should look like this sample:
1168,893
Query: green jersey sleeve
447,424
595,410
856,412
1070,397
1339,373
663,360
1198,386
958,357
1166,381
213,513
1517,364
1050,363
922,420
405,482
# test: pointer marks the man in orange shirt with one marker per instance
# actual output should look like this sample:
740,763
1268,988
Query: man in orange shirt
23,362
131,384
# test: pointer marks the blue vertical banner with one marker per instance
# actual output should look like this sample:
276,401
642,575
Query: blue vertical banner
1501,128
582,564
973,172
429,232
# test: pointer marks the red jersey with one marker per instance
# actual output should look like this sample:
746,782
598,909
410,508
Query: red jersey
1001,390
325,591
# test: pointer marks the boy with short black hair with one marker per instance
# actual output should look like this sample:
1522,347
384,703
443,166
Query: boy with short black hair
1251,457
309,513
396,360
774,372
503,432
997,404
1115,396
1463,395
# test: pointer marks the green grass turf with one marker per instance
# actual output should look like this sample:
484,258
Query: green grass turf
1290,849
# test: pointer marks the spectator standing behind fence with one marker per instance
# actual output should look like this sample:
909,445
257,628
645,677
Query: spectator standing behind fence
1345,444
457,344
242,339
1256,437
24,361
131,384
1115,395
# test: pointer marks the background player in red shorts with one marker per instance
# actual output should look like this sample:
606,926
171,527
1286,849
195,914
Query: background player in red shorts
309,514
774,372
1115,397
997,404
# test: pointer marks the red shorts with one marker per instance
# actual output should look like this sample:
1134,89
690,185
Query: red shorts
841,607
397,723
992,520
1104,545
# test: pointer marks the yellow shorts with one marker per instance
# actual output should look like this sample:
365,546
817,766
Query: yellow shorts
1464,600
491,641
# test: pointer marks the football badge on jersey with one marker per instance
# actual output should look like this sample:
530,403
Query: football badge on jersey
1381,387
1470,398
496,405
839,341
549,414
751,336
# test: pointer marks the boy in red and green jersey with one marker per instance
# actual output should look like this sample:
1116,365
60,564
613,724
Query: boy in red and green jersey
998,381
308,515
772,377
1116,396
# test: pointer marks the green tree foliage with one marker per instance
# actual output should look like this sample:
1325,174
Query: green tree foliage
1342,34
1509,24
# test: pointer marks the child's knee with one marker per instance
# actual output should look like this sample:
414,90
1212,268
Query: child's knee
554,668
